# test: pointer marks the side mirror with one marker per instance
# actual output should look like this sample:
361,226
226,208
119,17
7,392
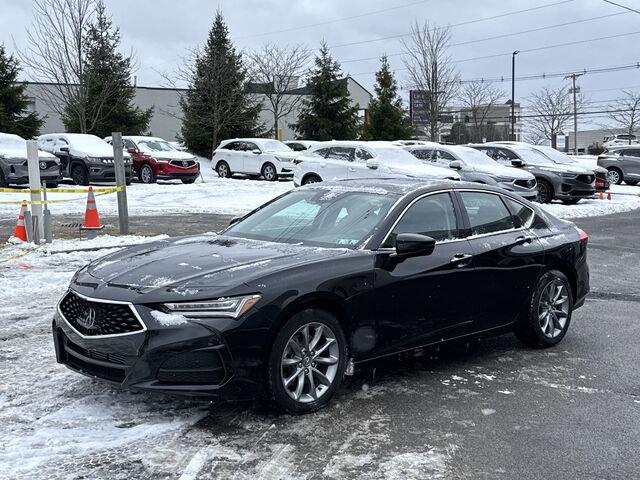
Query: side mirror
256,152
414,244
455,165
372,164
64,149
517,163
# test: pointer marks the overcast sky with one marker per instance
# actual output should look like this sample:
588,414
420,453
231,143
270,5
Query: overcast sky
161,31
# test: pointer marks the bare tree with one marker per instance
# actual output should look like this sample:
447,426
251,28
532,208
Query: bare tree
478,99
625,112
426,57
276,71
551,110
55,54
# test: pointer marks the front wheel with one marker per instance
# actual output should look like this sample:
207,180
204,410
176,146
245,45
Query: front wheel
545,192
269,172
79,175
311,179
548,315
146,174
307,361
223,170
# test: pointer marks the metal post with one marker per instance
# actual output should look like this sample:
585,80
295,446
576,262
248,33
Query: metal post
121,181
513,95
33,163
46,225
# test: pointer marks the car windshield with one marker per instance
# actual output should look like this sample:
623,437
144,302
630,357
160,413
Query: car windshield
532,157
12,142
155,146
274,146
471,156
395,155
323,217
555,155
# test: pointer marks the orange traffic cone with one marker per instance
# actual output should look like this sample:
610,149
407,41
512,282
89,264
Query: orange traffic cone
608,195
91,217
20,231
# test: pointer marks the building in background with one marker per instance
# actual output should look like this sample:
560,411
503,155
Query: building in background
166,119
590,139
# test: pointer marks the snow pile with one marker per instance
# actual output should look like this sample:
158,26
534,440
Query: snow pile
624,198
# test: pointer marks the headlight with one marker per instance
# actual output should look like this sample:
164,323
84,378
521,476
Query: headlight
281,159
233,307
107,161
568,175
504,179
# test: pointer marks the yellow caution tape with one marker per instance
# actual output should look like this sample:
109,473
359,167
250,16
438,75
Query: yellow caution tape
63,190
97,193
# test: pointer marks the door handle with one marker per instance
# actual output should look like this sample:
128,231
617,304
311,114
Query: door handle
524,239
461,259
351,169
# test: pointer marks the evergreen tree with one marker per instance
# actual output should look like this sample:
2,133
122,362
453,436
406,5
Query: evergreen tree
327,114
13,101
386,118
216,105
110,95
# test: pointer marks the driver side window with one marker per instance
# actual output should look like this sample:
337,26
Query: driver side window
433,216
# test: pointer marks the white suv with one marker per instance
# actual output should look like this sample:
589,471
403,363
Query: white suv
619,140
352,159
270,159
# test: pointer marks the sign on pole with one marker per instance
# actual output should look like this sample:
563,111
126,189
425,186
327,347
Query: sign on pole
33,163
121,182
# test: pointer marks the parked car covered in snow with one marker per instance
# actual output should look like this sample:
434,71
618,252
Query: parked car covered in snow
84,158
622,164
475,166
14,169
256,157
602,179
156,159
619,140
338,160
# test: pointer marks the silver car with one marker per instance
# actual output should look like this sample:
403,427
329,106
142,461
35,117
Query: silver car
475,166
13,163
622,164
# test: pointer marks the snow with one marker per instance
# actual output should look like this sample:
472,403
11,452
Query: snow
168,319
624,198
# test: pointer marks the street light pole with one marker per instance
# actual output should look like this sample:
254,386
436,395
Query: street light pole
574,90
513,94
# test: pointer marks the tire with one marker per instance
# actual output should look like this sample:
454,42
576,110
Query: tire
292,335
311,179
537,332
269,172
146,175
189,180
3,182
223,169
615,175
632,183
570,201
79,174
52,184
545,192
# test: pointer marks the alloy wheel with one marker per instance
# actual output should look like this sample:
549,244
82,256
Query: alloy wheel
553,308
223,170
269,173
309,363
614,177
146,174
543,193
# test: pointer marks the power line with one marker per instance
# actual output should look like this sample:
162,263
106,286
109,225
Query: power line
622,6
335,20
468,22
495,37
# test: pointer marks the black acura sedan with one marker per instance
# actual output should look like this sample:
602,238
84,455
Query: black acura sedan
320,282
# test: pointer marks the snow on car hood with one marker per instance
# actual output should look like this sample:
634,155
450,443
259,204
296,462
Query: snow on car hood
566,168
419,170
186,264
21,153
94,150
498,170
169,155
284,155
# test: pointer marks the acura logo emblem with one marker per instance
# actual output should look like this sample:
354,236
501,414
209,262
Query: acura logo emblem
185,164
88,319
43,165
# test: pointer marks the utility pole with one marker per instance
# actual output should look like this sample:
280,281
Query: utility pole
513,94
575,90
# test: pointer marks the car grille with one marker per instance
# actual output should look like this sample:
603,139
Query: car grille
526,183
97,318
202,367
586,178
182,163
96,354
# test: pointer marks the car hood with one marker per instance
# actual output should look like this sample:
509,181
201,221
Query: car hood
566,168
503,171
21,153
284,155
184,265
173,155
420,170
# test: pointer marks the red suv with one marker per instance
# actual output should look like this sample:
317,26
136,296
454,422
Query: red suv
156,159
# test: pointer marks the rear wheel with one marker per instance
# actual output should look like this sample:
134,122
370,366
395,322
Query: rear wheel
615,175
269,172
79,175
546,319
307,361
146,174
223,170
545,191
311,179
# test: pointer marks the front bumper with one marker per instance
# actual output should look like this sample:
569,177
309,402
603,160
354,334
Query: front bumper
530,194
192,358
574,188
166,170
19,174
106,173
285,172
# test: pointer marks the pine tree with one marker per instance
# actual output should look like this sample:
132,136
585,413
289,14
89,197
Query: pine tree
13,101
386,118
110,96
216,105
328,113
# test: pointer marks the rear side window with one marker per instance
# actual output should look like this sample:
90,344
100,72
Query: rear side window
632,153
342,153
296,147
442,155
487,213
232,146
433,216
323,152
422,154
362,155
525,215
